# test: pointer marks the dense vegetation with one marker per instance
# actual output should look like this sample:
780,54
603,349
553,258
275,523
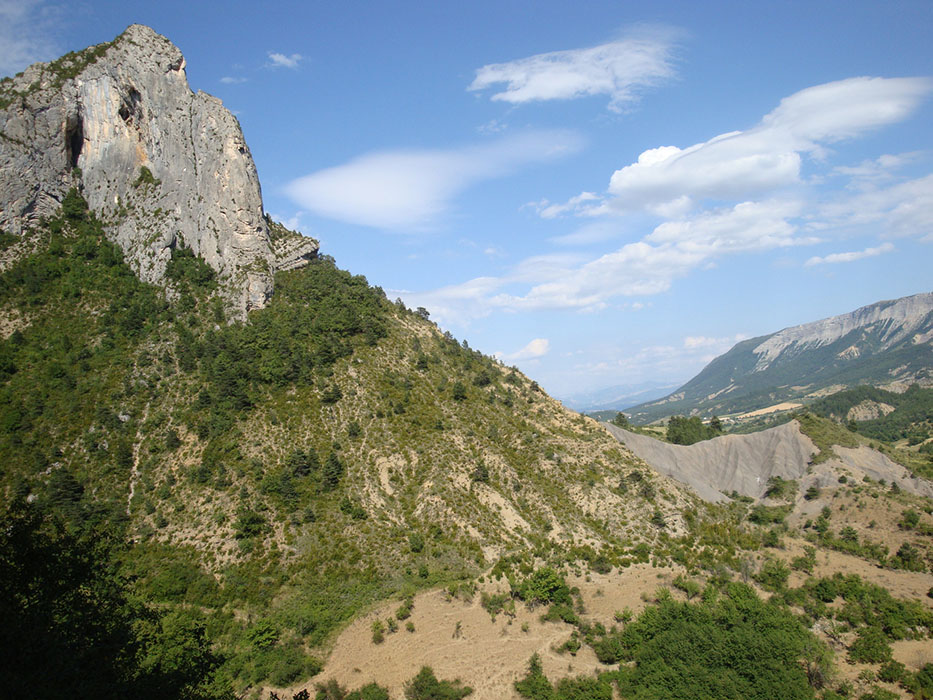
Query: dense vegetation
687,431
73,624
730,644
911,419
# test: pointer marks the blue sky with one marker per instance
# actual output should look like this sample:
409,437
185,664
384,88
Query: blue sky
604,193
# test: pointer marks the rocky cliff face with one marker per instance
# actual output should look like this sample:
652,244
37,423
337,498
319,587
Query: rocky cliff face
162,166
890,322
887,344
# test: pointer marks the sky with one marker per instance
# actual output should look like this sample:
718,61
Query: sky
602,194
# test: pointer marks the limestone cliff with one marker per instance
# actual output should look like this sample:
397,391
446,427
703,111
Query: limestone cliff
163,167
888,344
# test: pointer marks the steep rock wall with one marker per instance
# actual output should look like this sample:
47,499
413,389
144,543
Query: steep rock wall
163,166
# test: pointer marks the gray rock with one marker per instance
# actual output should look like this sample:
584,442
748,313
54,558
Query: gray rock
745,463
161,165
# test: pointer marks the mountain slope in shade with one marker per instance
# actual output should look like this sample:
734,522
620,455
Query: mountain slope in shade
887,344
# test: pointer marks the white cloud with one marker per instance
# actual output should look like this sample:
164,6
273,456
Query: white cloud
850,257
230,80
578,204
767,157
746,226
900,210
26,27
539,347
690,189
411,189
698,342
873,171
646,267
618,69
280,60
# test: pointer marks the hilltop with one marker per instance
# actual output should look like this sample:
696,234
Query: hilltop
271,474
164,168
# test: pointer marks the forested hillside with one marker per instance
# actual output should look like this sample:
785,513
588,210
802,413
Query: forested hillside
277,476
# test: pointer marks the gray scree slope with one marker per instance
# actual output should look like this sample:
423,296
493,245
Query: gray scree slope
744,463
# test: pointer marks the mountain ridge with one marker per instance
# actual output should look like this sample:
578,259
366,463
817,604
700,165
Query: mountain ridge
888,343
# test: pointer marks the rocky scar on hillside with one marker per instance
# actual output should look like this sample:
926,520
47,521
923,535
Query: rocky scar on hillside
744,465
164,167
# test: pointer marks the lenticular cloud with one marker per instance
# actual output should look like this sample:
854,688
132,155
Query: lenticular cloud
617,69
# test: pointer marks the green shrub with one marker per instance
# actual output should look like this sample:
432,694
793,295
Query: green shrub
733,646
766,515
870,646
426,686
378,630
545,585
535,684
773,575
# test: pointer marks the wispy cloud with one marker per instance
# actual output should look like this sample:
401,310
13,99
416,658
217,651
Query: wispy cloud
642,268
746,226
539,347
231,80
618,69
281,60
899,210
591,232
874,171
702,342
576,205
850,257
26,30
411,189
671,360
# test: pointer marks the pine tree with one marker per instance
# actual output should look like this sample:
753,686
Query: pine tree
332,472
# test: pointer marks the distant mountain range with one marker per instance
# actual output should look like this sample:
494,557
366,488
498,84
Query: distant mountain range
614,398
888,344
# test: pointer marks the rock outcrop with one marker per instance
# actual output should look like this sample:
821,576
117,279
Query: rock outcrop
744,463
162,166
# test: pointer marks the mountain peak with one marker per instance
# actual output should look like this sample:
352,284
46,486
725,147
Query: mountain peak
163,166
886,344
895,320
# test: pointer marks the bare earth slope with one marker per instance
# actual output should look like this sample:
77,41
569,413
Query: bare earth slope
744,463
741,463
